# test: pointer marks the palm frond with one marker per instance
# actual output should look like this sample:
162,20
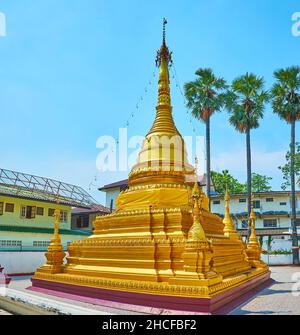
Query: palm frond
246,101
203,94
286,93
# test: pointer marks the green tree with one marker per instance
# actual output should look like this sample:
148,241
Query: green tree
286,168
245,101
223,180
286,104
260,183
205,97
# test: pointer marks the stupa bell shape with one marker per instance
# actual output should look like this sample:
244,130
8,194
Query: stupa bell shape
161,247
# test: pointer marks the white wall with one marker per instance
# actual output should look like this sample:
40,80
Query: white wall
237,207
21,262
277,259
112,194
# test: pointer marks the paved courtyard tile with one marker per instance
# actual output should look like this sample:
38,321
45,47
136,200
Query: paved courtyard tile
282,297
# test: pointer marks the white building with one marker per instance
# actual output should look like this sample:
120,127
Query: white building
273,216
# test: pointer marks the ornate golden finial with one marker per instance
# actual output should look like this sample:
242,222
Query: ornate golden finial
196,165
229,227
164,29
252,218
163,53
226,198
196,233
55,254
56,238
252,214
56,223
253,247
163,122
196,189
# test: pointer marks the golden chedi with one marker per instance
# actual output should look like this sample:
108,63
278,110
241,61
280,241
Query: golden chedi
55,254
162,247
253,247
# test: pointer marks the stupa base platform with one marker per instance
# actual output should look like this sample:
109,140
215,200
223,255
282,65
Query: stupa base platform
220,302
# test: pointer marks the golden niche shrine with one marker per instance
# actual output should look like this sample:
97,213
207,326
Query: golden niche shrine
162,247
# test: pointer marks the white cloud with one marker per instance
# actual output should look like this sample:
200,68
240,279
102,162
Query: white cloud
263,162
2,25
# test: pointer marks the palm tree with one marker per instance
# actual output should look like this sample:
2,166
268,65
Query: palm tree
245,101
286,103
205,95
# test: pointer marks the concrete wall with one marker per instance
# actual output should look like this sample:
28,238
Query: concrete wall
277,259
15,262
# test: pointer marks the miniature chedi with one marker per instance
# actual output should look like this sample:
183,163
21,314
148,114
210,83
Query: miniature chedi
162,247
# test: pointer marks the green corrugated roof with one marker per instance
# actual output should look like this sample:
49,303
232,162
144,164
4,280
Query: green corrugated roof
42,230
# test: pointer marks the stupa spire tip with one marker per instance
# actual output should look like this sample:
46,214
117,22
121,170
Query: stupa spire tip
163,53
164,29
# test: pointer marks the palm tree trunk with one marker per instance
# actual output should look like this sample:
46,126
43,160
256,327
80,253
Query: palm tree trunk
293,199
208,159
249,181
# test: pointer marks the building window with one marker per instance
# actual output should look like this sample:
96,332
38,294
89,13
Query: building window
111,204
9,208
82,221
28,212
10,243
40,211
50,212
63,216
1,208
23,212
269,199
40,243
298,222
270,223
242,200
216,202
244,224
282,203
256,204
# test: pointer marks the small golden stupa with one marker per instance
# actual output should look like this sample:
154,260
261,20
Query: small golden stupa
162,247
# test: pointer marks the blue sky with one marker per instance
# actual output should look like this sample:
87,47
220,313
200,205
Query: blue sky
71,71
